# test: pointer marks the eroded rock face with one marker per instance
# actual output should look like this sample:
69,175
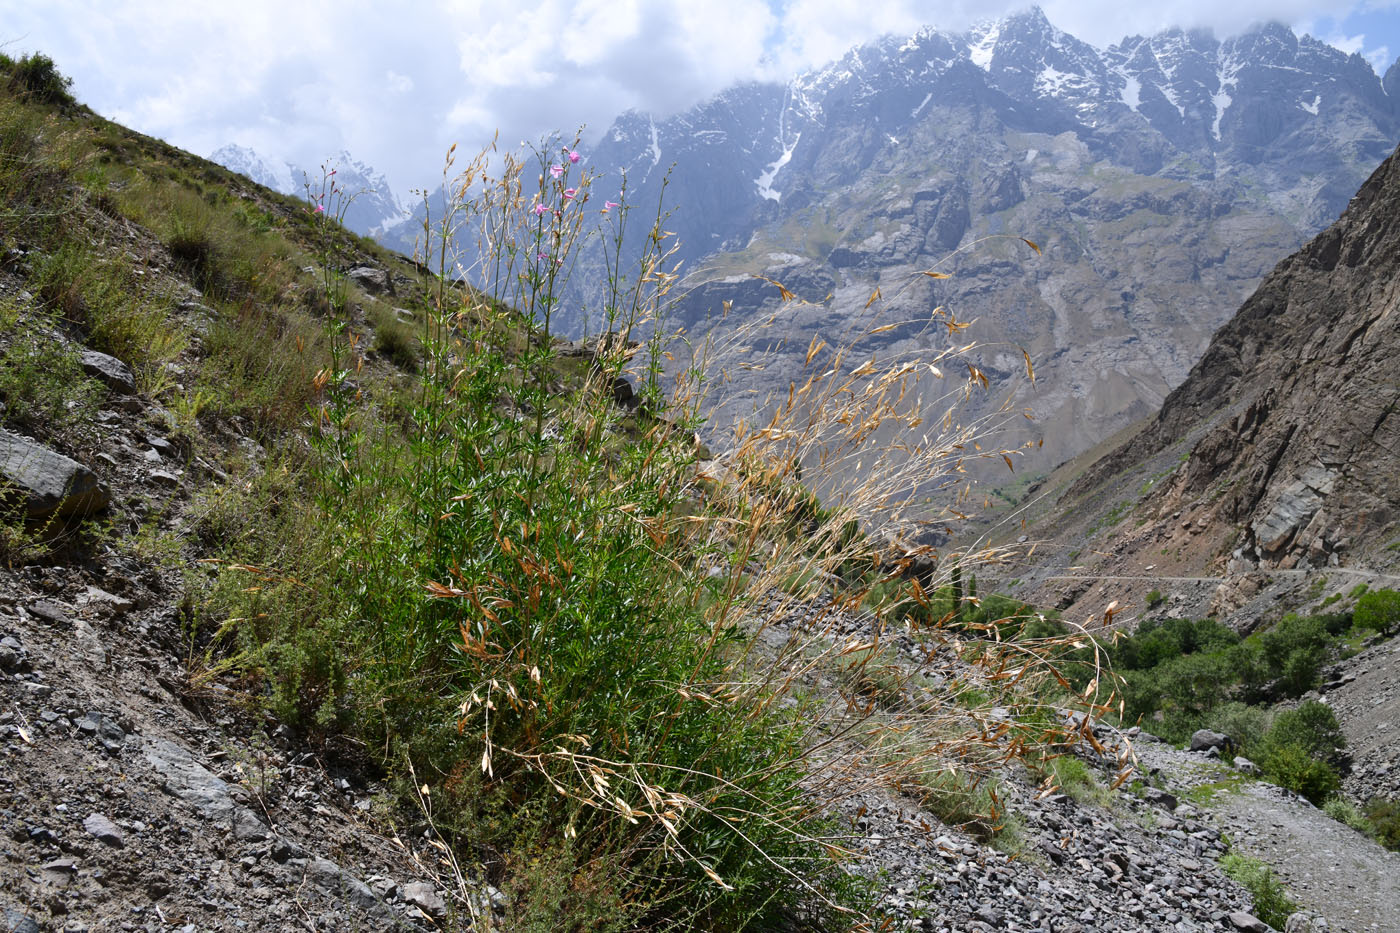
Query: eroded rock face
47,482
1292,416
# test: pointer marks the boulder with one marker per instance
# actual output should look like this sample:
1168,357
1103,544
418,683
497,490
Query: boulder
372,280
1203,740
1245,765
1159,797
109,370
48,482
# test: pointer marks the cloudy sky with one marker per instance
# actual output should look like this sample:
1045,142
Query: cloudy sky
396,83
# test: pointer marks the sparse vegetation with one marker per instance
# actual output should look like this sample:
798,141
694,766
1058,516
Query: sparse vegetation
1271,902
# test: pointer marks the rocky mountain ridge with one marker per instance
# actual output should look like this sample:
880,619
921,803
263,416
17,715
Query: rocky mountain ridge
1275,461
1161,178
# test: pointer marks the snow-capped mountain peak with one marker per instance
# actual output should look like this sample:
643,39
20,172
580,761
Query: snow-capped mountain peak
373,207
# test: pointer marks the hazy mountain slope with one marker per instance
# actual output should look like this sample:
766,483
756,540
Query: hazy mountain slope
1162,177
373,210
1279,453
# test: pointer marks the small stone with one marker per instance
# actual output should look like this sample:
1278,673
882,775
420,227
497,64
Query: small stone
49,612
108,370
104,830
372,280
47,482
1248,923
161,445
1159,797
111,735
162,478
425,896
13,657
284,849
1205,739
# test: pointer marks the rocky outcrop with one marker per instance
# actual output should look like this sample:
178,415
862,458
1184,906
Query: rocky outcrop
1291,415
46,482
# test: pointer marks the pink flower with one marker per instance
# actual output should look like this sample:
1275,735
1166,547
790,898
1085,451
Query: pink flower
320,209
541,256
609,205
540,209
556,170
569,193
574,157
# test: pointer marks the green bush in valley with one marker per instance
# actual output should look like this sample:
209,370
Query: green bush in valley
1283,662
1271,902
1302,749
1344,811
1246,724
1378,611
1313,727
1289,766
1183,690
1384,817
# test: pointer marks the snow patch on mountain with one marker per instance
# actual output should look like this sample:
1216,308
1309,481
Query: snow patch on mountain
765,180
279,176
982,52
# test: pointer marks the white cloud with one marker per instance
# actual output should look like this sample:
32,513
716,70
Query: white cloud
397,83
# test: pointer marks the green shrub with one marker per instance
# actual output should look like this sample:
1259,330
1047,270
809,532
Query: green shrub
194,251
1184,689
1313,727
1284,661
1271,902
1384,817
1301,751
395,339
1247,725
1289,766
1378,611
37,77
1344,811
1157,641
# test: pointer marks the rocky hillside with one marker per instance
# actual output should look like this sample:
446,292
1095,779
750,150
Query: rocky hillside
1162,178
1274,463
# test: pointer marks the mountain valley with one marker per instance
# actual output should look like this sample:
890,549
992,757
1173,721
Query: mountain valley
335,594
